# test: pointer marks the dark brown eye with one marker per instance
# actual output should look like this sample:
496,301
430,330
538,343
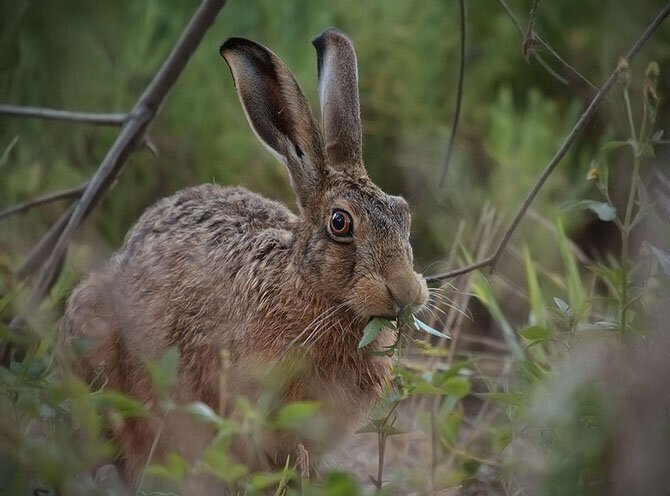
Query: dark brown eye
341,223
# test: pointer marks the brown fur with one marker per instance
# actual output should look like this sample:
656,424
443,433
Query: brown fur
212,268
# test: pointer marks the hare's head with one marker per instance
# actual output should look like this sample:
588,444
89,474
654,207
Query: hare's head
355,238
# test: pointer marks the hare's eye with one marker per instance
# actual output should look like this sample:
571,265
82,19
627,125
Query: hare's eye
341,223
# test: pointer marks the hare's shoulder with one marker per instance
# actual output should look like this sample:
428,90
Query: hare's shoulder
207,215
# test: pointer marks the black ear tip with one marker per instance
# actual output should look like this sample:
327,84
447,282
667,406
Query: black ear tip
231,44
241,45
328,34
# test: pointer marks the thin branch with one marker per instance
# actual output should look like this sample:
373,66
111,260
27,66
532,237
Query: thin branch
550,69
63,115
512,17
459,94
529,40
129,138
569,67
75,192
560,153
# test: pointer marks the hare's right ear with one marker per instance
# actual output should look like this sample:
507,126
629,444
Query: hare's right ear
340,106
278,113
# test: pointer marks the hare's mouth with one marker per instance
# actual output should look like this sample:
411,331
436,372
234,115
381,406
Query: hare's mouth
385,316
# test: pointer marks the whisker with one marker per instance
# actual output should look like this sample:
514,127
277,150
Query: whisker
323,315
320,323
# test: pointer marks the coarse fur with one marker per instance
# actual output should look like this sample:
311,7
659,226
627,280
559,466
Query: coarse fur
220,271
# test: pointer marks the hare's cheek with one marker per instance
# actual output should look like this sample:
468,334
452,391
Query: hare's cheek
337,264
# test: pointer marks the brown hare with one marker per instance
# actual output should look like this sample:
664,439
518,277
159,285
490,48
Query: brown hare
214,268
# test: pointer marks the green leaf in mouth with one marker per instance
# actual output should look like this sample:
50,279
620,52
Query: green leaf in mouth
374,327
426,328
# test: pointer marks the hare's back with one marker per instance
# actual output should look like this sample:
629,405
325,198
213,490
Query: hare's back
202,219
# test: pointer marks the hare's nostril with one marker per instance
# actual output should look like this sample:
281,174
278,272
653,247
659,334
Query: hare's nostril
404,292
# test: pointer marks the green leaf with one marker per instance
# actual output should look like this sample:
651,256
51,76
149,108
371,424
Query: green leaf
603,210
533,370
163,372
405,317
426,328
203,413
125,405
174,468
390,430
535,298
456,368
663,257
562,306
423,387
613,278
294,414
374,327
341,484
451,426
262,481
535,333
218,462
457,387
483,292
368,428
613,145
647,151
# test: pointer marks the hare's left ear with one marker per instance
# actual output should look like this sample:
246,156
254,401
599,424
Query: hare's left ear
340,107
279,114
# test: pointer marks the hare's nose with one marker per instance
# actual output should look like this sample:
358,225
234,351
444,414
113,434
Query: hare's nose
404,288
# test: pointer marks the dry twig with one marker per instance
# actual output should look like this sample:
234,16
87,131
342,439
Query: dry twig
63,115
529,40
459,93
75,192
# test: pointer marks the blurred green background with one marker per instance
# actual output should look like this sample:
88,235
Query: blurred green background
99,56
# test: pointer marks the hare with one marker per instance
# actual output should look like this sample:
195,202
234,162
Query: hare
216,268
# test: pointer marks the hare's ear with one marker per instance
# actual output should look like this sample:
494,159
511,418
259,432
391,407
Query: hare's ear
338,94
278,113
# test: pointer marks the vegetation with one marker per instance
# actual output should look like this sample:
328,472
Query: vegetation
550,354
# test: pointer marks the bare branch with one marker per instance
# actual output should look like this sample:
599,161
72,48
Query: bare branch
560,153
529,40
75,192
550,70
570,68
130,137
459,94
512,17
63,115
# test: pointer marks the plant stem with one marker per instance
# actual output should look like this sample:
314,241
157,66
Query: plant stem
627,227
459,93
380,467
629,111
154,444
